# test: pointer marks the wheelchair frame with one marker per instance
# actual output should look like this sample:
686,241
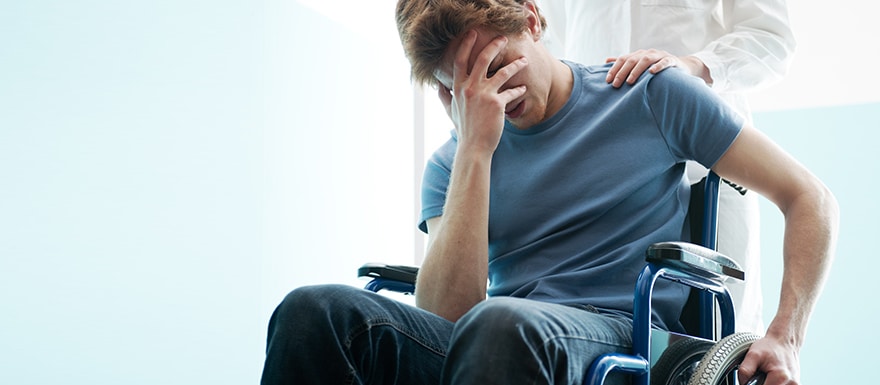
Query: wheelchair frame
639,363
696,266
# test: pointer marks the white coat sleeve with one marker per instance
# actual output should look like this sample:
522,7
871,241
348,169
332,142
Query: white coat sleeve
757,51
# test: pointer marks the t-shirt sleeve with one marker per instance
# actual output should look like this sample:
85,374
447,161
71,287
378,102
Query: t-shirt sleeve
696,123
435,181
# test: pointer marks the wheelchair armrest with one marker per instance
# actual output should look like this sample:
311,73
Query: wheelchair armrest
694,259
401,273
396,278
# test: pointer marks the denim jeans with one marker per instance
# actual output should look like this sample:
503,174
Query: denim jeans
337,334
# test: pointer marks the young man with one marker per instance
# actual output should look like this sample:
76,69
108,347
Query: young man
552,187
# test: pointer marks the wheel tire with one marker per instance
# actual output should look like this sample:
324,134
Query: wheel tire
723,359
678,362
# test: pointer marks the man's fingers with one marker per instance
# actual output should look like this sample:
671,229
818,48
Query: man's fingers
747,368
488,55
460,70
772,375
508,71
463,70
511,94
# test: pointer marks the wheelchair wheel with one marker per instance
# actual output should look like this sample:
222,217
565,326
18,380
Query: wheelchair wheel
677,363
720,364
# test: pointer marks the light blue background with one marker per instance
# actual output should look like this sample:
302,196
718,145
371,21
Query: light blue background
170,169
839,144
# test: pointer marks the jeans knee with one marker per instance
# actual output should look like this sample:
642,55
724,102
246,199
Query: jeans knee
512,323
318,295
511,340
496,319
314,304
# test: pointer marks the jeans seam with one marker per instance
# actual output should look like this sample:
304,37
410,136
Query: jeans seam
378,322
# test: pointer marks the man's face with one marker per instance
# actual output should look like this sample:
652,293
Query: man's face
525,111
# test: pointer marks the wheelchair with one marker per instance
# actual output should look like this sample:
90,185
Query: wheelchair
710,352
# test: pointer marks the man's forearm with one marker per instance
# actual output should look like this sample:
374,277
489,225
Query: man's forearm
809,242
453,277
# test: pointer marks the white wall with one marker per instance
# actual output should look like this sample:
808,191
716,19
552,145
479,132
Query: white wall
170,169
833,65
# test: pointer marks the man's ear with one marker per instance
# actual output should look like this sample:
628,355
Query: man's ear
534,20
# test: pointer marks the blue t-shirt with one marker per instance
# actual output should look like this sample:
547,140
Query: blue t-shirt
576,200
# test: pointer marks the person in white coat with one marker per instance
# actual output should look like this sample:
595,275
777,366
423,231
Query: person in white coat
735,46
